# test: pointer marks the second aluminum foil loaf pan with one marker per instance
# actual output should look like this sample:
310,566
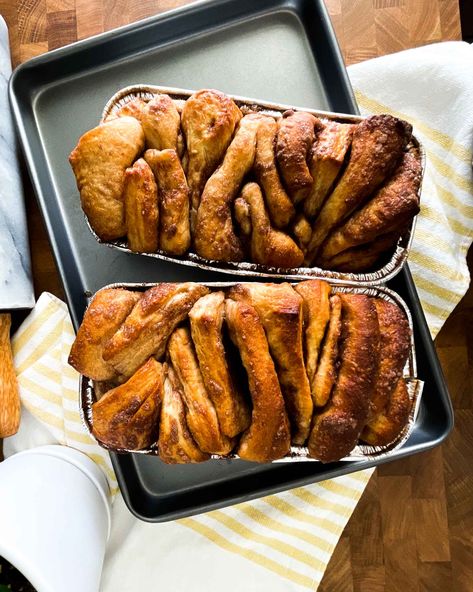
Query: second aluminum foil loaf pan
377,276
87,393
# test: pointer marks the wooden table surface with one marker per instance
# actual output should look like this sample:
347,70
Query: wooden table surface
413,529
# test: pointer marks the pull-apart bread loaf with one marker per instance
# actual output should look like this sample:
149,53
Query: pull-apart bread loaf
250,369
230,184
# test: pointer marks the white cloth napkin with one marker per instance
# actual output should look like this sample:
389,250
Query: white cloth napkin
281,543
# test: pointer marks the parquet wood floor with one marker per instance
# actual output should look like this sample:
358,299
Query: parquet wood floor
413,528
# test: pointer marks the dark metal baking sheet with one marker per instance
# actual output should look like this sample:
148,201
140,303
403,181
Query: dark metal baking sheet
276,50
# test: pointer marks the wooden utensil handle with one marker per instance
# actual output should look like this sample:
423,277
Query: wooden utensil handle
9,393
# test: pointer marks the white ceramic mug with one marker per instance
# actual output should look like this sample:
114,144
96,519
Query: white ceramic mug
54,518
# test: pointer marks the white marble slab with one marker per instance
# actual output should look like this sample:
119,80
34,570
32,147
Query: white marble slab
16,288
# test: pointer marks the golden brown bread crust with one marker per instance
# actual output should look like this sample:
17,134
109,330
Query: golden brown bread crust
378,143
393,352
176,444
337,429
201,416
206,320
326,160
241,210
107,311
147,328
280,311
141,208
214,236
386,427
302,231
268,246
326,374
174,228
127,416
268,436
396,203
316,308
161,123
99,161
277,201
209,119
133,108
295,138
364,257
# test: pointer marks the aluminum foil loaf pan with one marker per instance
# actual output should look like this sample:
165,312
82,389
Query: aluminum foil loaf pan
388,270
88,389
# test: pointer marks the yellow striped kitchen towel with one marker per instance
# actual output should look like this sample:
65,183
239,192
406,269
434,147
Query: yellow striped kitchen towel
282,542
48,385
